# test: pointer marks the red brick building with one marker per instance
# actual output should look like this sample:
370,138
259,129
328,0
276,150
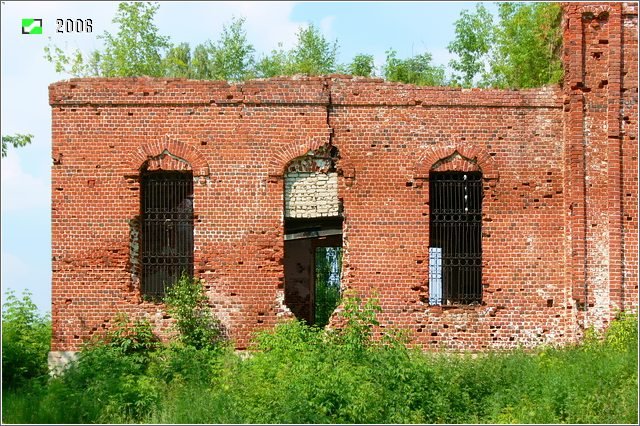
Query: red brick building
482,218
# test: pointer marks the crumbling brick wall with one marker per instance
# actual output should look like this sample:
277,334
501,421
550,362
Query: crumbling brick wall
559,168
601,97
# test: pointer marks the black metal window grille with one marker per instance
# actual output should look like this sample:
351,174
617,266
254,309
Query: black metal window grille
455,237
167,229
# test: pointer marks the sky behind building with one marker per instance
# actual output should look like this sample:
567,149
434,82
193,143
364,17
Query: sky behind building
411,28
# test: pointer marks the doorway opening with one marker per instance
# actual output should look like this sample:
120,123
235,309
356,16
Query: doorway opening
313,268
312,236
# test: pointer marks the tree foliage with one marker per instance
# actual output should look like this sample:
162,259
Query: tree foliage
136,49
519,49
229,58
523,49
362,65
415,70
18,140
528,45
313,54
474,37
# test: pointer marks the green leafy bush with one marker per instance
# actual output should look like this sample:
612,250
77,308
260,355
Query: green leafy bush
189,306
26,339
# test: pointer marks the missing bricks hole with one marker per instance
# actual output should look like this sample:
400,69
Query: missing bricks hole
409,184
549,303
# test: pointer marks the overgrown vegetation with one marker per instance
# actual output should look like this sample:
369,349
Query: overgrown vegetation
522,48
26,337
302,374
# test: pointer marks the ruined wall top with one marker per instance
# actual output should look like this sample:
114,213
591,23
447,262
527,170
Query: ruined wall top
322,90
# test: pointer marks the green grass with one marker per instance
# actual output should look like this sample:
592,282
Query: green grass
299,374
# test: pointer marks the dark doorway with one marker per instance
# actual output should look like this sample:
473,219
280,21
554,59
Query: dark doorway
312,265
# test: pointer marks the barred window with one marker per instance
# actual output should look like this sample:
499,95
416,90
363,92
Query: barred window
455,238
167,229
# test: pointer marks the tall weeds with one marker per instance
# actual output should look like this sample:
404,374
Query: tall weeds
302,374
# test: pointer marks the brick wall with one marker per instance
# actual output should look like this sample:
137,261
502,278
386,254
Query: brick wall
559,166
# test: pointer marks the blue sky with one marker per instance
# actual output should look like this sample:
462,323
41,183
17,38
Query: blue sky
410,28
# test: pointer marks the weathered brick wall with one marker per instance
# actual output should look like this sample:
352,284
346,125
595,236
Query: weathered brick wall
560,192
601,126
629,170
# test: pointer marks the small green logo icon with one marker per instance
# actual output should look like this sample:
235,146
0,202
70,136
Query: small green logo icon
31,26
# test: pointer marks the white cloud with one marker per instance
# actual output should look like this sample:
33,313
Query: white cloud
20,190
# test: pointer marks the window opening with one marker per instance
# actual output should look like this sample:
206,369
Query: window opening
455,238
167,229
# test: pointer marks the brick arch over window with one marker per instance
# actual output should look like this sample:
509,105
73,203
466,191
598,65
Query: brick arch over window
168,154
600,11
459,158
283,157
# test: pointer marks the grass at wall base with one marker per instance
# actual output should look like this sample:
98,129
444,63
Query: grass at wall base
302,374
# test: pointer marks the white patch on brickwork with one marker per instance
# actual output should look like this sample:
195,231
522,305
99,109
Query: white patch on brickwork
59,360
282,310
311,194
